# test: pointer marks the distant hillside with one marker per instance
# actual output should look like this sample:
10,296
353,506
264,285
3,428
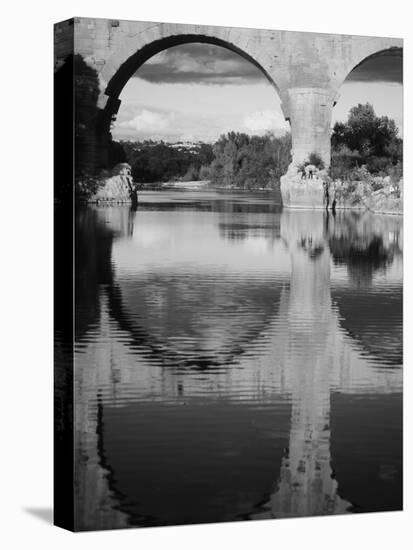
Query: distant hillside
235,160
158,161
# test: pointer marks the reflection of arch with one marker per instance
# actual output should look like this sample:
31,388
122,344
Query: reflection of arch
360,312
368,245
94,254
178,487
160,353
342,234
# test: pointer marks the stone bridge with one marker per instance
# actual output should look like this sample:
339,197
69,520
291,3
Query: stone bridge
305,69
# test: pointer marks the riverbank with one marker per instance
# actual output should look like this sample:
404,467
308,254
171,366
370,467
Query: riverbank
118,186
376,194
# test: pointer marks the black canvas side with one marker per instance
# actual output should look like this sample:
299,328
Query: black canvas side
63,274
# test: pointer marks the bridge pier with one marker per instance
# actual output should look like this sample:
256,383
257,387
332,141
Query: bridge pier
310,112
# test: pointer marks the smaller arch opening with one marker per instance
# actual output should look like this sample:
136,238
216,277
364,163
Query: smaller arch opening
367,132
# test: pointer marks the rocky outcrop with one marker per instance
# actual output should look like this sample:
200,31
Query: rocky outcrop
377,194
115,188
302,192
385,203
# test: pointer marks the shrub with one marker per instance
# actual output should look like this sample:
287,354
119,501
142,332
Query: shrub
204,172
361,174
316,160
377,183
161,162
86,186
396,172
343,161
378,165
250,162
192,174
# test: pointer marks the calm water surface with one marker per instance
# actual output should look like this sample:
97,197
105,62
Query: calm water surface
235,361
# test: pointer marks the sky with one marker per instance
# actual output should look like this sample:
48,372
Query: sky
197,92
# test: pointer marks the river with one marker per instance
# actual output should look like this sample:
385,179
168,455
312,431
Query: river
235,361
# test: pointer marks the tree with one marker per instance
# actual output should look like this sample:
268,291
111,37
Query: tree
365,132
365,139
250,162
154,162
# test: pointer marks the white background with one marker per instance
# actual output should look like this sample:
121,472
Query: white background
26,271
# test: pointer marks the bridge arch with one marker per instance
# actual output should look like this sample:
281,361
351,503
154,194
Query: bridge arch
134,51
363,50
306,69
141,53
371,79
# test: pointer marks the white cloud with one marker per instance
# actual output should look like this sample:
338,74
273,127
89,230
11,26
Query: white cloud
149,121
197,110
264,121
145,122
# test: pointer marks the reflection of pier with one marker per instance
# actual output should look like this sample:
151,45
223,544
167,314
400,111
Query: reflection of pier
309,356
311,343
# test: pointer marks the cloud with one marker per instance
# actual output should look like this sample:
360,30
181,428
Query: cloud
175,102
263,121
146,121
195,63
211,64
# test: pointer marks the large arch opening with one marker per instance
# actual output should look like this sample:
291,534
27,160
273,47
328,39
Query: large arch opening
368,120
132,64
189,90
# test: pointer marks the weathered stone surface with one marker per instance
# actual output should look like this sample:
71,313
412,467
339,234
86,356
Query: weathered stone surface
115,188
299,192
387,199
377,194
384,203
310,112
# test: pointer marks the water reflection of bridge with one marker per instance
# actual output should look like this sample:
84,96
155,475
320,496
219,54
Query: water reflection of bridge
309,357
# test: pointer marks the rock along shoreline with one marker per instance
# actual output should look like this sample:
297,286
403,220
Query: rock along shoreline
374,194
